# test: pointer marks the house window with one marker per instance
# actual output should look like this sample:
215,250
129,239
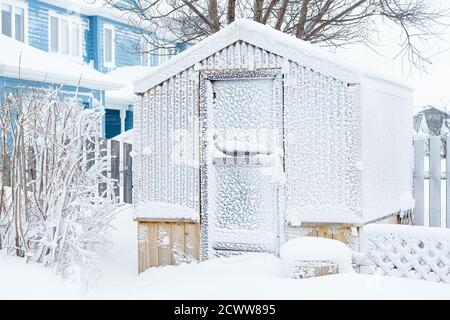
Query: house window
109,58
54,34
19,23
12,20
164,54
146,57
75,39
65,35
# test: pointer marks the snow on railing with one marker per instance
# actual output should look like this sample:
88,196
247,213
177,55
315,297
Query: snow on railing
407,251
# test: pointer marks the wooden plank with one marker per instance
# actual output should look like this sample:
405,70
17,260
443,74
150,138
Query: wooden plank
418,182
152,247
192,239
313,233
324,232
340,232
177,241
142,247
127,173
435,181
164,244
115,167
102,144
447,174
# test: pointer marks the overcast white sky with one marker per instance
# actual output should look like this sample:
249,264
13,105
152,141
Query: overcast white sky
431,88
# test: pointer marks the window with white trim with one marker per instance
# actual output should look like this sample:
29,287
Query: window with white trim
146,57
65,35
109,52
164,54
13,19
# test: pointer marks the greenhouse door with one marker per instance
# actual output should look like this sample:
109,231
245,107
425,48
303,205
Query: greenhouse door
241,161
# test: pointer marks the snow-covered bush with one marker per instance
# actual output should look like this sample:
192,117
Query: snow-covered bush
53,212
304,256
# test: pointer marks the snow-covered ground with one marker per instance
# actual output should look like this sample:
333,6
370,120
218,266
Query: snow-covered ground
257,276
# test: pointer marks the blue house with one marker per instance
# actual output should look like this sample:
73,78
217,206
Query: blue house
83,33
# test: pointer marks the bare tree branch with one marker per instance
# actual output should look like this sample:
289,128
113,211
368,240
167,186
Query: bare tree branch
258,10
281,14
331,23
231,12
302,21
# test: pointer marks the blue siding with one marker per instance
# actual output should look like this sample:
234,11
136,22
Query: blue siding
126,42
125,45
126,38
112,123
129,120
38,27
12,85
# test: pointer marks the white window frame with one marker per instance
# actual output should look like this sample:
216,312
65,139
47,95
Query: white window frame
109,64
144,43
70,20
16,4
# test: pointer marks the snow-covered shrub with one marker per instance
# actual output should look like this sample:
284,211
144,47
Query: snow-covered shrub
55,213
303,256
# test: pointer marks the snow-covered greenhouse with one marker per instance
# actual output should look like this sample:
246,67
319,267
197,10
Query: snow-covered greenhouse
256,137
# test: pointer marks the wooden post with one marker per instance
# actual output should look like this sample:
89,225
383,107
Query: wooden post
7,172
90,154
102,143
127,173
115,167
165,243
435,181
418,181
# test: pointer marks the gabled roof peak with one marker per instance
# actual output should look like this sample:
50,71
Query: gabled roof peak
266,38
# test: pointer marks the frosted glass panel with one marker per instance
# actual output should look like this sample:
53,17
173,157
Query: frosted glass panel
243,203
243,103
243,197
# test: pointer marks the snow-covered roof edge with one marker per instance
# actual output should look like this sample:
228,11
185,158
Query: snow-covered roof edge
22,61
91,8
269,39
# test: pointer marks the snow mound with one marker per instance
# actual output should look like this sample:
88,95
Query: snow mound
316,252
126,137
164,210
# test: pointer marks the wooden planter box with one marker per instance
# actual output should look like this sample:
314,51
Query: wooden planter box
167,242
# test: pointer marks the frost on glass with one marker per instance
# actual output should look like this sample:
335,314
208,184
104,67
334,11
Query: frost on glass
244,198
322,148
166,153
240,122
238,106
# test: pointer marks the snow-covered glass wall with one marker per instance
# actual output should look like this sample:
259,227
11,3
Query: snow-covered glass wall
321,123
322,148
166,153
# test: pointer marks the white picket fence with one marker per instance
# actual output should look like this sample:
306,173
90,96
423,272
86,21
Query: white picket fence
431,183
